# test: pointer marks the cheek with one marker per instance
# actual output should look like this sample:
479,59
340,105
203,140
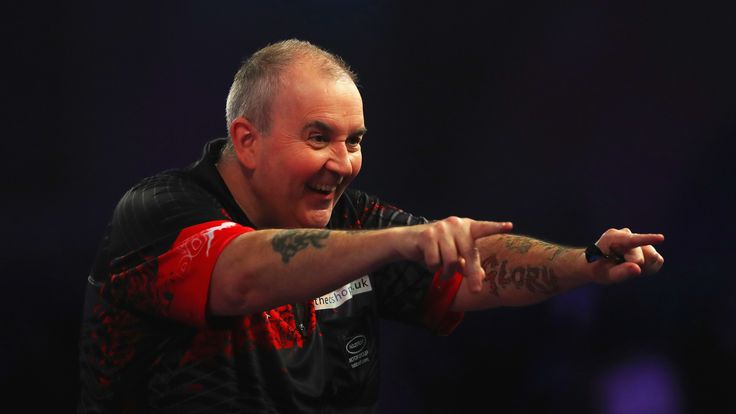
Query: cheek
300,165
310,162
357,163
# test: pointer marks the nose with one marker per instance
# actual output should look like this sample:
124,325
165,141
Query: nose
339,161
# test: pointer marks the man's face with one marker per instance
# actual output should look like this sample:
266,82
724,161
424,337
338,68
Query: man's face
312,151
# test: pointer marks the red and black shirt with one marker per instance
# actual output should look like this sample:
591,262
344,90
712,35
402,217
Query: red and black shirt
148,345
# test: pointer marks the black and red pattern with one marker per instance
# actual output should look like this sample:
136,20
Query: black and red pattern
148,345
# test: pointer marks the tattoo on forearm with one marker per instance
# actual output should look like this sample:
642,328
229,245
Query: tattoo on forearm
290,242
534,278
522,245
555,249
518,244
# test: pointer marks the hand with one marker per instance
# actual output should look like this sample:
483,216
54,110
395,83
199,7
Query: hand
449,244
636,249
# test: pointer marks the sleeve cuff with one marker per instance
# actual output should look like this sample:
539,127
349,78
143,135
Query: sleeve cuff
437,314
185,271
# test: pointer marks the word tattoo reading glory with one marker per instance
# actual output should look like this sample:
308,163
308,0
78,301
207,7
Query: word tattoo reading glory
534,278
290,242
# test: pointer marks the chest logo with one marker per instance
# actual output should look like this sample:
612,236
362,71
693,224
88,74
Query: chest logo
343,294
356,344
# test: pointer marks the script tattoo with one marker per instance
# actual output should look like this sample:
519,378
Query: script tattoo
290,242
534,278
522,245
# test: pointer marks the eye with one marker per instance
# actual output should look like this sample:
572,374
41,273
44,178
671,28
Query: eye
319,140
354,142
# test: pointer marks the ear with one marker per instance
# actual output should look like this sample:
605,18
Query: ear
246,140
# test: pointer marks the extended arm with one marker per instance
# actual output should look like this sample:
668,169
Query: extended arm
521,270
263,269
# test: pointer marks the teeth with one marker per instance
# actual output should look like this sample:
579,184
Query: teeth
324,188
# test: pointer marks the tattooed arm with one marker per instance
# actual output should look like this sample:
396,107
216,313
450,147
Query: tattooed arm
263,269
520,270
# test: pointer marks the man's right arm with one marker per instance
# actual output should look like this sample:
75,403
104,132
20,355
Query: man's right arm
260,270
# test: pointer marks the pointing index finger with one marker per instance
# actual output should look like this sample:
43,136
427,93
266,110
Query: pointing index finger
636,240
480,229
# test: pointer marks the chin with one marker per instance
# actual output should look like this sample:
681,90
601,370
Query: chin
317,219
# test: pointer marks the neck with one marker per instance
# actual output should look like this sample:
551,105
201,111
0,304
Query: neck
237,182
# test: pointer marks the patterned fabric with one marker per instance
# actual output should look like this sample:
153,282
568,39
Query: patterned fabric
148,345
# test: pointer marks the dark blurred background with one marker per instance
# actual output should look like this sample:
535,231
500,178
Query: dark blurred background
566,117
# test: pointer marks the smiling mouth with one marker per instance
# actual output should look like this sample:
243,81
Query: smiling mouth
322,189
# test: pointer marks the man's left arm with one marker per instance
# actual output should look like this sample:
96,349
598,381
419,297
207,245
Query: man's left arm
520,270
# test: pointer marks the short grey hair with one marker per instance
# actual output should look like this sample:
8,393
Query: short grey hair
257,81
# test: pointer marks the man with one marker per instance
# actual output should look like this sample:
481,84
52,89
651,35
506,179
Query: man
252,281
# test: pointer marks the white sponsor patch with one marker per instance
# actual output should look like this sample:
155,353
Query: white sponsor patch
341,295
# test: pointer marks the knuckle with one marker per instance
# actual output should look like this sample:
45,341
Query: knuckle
440,226
429,233
454,221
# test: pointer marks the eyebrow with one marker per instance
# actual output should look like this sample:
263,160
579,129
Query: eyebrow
323,127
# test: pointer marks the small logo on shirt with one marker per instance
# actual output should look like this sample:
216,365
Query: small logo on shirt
356,347
356,344
341,295
210,233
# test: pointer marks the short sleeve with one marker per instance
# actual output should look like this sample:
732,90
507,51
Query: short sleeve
162,245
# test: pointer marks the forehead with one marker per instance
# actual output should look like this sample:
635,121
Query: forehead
309,97
311,78
306,89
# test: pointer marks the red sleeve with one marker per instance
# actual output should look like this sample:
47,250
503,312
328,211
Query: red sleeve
176,284
437,314
185,271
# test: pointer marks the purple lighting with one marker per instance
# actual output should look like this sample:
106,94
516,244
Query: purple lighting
642,385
